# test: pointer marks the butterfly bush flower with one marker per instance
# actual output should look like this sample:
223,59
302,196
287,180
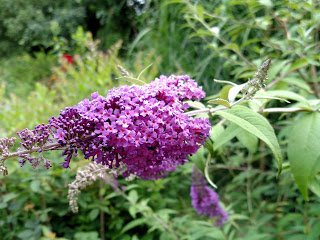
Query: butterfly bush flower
205,200
143,128
30,139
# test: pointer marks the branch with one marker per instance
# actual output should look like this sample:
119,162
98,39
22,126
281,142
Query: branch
205,110
49,147
284,110
213,110
267,110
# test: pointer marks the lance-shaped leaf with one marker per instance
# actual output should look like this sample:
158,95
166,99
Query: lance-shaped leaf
248,140
226,135
257,125
220,101
303,150
285,94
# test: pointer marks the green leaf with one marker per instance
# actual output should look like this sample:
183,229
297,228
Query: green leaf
298,83
248,140
138,39
26,234
216,132
275,68
198,158
195,104
93,214
220,101
303,150
224,92
315,231
200,11
286,95
233,47
133,224
225,136
234,91
3,205
133,211
255,124
314,186
35,186
86,236
267,3
300,63
133,196
9,196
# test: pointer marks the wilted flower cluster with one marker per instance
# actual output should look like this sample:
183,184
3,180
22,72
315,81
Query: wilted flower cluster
37,138
5,145
85,177
205,200
143,128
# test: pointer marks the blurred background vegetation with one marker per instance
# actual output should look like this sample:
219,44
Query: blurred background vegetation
55,53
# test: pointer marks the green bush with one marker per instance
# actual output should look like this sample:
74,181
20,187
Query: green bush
33,24
21,73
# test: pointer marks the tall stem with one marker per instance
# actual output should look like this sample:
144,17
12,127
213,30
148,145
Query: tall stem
102,215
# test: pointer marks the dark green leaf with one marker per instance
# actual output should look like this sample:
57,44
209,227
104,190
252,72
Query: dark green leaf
93,214
133,224
303,150
299,63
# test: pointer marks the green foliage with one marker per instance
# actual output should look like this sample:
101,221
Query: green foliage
47,25
109,20
29,24
37,107
237,33
20,73
224,39
93,71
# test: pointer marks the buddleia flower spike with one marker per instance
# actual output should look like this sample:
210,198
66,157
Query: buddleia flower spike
258,81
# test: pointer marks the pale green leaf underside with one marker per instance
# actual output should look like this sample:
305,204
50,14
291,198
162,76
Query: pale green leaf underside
226,135
257,125
286,95
248,140
195,104
220,101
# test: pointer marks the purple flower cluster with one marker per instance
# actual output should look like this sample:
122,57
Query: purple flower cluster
143,128
205,200
37,137
73,130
